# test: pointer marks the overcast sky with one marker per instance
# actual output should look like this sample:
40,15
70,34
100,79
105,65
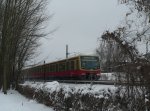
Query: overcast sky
80,24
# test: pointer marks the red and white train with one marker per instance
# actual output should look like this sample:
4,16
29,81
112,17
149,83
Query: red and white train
79,67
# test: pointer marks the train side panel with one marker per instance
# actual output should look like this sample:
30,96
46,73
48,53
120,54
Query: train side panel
65,69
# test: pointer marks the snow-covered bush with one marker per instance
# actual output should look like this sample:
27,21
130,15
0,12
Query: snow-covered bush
70,99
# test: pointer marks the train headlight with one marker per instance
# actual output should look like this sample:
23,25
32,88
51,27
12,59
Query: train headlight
98,74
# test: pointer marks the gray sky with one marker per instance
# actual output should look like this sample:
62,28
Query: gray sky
80,24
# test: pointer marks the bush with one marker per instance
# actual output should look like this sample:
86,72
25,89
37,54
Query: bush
105,100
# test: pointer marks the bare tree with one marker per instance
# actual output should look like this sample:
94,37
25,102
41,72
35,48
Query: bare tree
140,5
131,67
21,26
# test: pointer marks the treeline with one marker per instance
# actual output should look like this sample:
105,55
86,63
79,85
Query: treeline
20,30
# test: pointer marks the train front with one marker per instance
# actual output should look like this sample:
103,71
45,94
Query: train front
90,67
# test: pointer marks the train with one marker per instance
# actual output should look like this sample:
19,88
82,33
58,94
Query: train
81,67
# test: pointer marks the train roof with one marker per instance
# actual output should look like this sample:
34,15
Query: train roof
70,58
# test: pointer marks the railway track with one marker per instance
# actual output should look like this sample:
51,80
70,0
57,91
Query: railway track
104,82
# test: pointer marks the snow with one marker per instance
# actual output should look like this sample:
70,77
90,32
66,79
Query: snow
14,101
108,76
86,88
70,88
138,67
123,42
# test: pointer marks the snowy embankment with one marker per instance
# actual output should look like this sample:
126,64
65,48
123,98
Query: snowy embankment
69,88
108,76
68,97
13,101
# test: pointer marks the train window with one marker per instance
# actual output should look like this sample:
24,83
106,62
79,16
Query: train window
62,66
49,69
45,68
53,68
75,67
40,69
57,67
33,70
72,67
36,69
77,64
67,65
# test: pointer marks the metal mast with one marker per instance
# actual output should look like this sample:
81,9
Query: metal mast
67,52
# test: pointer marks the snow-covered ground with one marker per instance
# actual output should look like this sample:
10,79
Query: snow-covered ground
13,101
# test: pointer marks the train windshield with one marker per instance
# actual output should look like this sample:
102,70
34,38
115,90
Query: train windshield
90,62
